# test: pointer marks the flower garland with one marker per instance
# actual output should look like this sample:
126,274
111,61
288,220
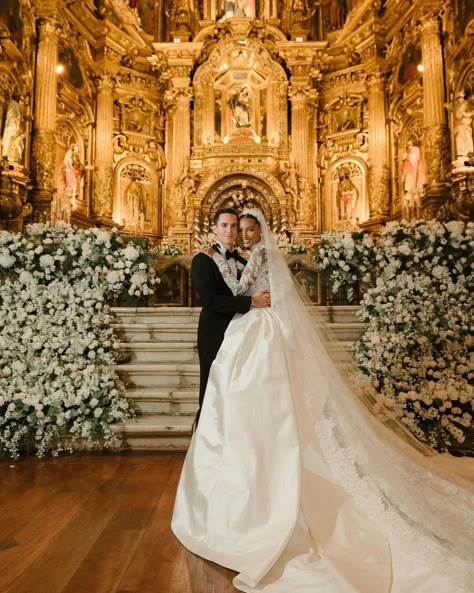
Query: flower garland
57,344
417,348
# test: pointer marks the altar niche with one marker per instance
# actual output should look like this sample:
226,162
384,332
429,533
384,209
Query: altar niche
136,206
240,99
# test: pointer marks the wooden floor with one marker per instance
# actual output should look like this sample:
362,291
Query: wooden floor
97,523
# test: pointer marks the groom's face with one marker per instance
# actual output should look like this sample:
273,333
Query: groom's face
226,229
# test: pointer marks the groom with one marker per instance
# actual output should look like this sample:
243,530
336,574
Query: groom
218,303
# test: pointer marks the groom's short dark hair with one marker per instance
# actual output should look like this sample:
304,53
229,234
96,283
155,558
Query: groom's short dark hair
225,211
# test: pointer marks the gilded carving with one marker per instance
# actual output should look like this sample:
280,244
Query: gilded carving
103,192
48,29
136,205
105,82
6,87
379,197
44,155
438,154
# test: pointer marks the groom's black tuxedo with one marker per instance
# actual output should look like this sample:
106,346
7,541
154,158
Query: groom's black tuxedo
218,307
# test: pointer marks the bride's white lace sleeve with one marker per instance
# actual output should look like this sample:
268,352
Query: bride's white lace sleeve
255,265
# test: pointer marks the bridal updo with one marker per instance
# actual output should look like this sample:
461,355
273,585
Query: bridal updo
248,215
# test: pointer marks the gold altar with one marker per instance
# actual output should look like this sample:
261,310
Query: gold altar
148,116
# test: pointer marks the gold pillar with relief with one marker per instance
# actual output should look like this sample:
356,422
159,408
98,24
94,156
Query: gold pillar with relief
178,154
302,151
379,197
181,139
104,151
44,137
437,145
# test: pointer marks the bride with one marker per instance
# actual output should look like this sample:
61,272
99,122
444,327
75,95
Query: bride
290,481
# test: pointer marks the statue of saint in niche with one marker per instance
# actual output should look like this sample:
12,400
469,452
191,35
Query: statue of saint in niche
239,104
239,8
13,140
136,203
73,171
413,179
463,128
347,195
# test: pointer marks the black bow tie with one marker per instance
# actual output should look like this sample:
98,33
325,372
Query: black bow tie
231,254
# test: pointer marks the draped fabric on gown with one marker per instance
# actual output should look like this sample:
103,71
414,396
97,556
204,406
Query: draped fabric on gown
286,505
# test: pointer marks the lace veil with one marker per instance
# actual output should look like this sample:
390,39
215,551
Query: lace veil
415,496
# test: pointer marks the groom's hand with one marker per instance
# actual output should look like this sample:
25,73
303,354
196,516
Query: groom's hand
262,299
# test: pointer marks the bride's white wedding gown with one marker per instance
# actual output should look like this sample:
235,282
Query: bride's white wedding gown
270,490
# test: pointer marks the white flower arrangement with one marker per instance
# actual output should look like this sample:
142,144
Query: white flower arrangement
418,346
288,246
107,259
57,344
296,249
349,259
171,249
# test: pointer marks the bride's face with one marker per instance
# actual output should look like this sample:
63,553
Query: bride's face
249,232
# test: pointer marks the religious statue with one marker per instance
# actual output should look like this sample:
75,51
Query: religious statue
413,179
337,13
239,104
305,202
187,183
13,140
136,203
289,178
346,122
239,8
463,130
73,171
347,195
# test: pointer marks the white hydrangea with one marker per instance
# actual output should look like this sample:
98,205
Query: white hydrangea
417,347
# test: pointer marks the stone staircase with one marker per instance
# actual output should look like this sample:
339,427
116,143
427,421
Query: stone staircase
159,366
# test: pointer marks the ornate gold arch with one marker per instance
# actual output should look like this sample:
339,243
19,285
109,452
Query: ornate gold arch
265,189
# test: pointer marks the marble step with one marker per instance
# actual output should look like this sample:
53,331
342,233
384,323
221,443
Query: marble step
156,432
345,332
186,333
143,315
339,314
165,401
341,351
186,315
186,352
158,352
159,375
156,332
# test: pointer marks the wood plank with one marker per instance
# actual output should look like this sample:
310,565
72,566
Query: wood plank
36,516
97,524
151,566
103,567
55,565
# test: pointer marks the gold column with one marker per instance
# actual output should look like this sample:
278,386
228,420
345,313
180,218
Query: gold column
273,122
104,151
181,136
378,157
437,146
44,123
302,150
208,114
178,154
201,122
299,128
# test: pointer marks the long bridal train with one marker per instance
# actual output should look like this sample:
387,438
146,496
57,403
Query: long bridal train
290,481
